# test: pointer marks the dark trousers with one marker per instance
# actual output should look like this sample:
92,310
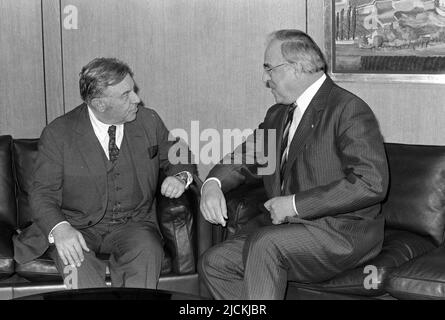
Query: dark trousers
136,254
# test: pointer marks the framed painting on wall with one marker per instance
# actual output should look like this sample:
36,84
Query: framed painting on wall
386,40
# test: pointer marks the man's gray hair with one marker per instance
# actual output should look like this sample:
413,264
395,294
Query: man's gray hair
299,48
100,73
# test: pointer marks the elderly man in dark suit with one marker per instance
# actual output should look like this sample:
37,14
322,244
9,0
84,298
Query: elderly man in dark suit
323,213
95,180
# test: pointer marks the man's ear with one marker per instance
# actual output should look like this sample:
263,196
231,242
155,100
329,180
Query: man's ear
98,104
297,69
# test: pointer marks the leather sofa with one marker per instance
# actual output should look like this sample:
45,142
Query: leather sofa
411,264
186,234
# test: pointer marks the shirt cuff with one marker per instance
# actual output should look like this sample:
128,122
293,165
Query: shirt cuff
295,206
50,235
211,179
188,181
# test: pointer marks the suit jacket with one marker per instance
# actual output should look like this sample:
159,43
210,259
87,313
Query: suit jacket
336,168
70,179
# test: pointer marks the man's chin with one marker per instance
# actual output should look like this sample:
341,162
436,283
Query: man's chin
131,117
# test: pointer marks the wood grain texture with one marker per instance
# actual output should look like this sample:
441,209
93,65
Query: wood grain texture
53,59
407,113
193,59
22,102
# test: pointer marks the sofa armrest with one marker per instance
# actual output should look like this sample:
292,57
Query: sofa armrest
243,203
6,251
186,233
176,218
203,227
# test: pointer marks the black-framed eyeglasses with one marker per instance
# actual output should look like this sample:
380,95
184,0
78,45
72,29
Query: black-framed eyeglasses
269,69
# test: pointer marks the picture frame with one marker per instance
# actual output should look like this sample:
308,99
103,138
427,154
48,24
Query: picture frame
388,49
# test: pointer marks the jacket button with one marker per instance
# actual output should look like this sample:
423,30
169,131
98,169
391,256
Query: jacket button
90,223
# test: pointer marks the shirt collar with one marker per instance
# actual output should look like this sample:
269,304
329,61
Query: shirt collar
100,128
306,97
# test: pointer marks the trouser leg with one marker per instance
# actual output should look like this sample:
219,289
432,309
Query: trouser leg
280,253
91,273
136,255
221,269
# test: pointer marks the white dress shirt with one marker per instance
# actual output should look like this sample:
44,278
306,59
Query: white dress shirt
101,131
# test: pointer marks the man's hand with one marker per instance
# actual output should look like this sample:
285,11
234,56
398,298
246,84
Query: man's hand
213,204
280,208
172,187
69,243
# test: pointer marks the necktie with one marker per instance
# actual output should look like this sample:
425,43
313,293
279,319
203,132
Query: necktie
113,150
284,142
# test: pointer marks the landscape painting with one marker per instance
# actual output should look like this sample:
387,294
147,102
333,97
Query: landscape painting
388,36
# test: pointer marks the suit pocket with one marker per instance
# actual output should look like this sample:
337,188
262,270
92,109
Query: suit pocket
153,151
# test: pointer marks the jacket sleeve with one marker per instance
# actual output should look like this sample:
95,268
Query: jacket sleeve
360,147
249,161
46,190
174,154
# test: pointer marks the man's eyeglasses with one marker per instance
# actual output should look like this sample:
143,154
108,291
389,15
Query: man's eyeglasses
269,69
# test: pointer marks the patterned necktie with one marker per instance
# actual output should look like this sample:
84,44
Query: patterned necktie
113,150
284,142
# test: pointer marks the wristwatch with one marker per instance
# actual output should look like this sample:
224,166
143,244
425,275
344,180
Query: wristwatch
185,177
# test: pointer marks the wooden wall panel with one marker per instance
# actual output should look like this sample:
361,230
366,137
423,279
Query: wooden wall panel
193,59
53,59
408,113
22,98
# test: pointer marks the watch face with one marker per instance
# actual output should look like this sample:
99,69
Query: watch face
183,176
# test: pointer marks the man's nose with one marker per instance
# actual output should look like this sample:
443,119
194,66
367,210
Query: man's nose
265,77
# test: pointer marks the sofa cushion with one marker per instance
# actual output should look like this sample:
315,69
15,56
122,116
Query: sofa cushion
421,278
8,212
416,198
6,251
24,153
398,248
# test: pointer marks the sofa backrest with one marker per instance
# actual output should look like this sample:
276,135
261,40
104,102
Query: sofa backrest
24,152
416,198
7,192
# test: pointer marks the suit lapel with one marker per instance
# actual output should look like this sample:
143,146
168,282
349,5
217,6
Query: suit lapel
91,150
308,124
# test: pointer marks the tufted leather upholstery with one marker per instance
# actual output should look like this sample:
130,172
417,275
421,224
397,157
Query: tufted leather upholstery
186,234
408,265
416,199
7,185
422,278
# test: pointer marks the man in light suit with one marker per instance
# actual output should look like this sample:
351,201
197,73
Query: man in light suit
95,180
323,213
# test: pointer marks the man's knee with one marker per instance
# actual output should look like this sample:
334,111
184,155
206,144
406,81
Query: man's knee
264,241
145,243
91,272
210,259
